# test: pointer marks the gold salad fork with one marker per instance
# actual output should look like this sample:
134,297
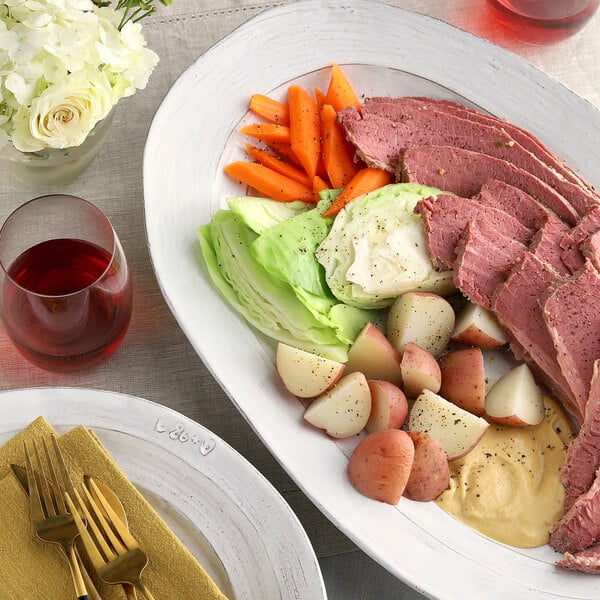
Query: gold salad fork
51,519
113,551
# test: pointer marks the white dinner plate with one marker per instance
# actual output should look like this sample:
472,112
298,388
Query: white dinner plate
384,51
223,510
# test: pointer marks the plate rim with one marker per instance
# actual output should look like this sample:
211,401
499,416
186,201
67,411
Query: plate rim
296,572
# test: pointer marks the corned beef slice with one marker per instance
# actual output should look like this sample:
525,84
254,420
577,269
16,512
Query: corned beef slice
572,242
515,202
483,259
583,455
524,137
446,217
375,142
570,310
463,172
515,304
591,249
587,561
545,244
579,528
410,126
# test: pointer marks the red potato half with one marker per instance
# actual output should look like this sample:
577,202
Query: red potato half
463,379
344,410
389,406
430,473
304,374
515,399
457,430
476,326
423,318
420,371
373,355
381,463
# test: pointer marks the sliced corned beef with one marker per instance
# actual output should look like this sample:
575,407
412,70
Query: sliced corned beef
579,527
483,259
446,217
545,244
572,256
463,172
524,137
591,249
410,126
379,146
570,310
583,455
515,304
586,561
515,202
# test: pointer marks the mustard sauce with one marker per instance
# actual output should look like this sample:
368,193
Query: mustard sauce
508,487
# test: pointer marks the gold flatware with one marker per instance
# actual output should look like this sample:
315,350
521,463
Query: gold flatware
21,475
116,555
52,520
117,506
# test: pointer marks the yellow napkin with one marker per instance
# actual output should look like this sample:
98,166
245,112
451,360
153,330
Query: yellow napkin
30,568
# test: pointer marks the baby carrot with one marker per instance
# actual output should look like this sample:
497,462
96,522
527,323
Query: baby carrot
269,109
338,152
268,182
267,132
305,128
340,93
366,180
268,159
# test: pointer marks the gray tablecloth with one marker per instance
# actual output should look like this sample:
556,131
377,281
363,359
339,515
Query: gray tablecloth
156,361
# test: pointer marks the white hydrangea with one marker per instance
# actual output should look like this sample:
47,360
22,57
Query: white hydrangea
63,65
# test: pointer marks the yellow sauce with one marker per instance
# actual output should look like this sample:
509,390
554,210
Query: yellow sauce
508,487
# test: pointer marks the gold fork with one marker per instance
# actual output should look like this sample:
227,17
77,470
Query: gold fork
114,553
51,519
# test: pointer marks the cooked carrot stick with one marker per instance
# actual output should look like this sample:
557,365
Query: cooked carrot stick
320,98
366,180
338,152
269,109
305,128
268,159
267,132
319,184
340,93
268,182
284,151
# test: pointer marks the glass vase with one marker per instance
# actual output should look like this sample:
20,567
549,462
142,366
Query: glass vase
55,166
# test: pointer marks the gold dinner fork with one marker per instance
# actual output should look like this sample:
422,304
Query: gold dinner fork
51,519
114,553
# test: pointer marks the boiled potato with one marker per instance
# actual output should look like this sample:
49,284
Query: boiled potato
420,371
381,463
430,473
423,318
389,406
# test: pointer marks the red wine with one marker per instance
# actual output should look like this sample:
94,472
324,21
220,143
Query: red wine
542,21
66,305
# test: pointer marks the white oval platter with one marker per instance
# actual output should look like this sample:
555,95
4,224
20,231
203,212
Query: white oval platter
384,51
222,509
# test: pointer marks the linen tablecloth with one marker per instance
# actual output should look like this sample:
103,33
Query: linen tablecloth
156,361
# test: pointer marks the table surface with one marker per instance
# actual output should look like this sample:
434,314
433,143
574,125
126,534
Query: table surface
156,361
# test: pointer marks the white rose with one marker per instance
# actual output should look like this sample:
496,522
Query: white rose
64,113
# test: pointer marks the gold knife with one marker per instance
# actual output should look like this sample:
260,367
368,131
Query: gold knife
21,475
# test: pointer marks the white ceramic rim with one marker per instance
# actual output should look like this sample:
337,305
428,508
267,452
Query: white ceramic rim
227,514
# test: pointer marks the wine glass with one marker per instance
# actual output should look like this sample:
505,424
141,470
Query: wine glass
66,293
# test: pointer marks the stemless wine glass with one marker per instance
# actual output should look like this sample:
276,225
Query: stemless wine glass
66,293
542,21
